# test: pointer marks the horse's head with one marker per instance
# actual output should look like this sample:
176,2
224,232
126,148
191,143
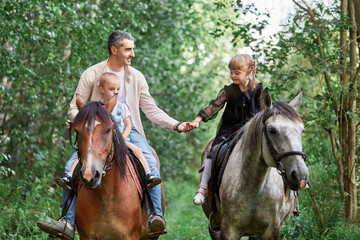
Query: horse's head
282,146
95,132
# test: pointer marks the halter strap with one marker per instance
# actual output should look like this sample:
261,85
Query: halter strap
110,160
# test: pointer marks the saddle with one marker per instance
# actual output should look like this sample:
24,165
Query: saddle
220,160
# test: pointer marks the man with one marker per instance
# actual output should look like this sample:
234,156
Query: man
134,92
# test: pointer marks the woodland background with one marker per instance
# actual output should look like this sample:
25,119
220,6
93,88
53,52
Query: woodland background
182,48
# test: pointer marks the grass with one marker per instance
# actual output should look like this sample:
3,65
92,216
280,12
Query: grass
184,219
27,203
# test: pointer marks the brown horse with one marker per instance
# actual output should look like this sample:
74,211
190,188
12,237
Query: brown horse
108,206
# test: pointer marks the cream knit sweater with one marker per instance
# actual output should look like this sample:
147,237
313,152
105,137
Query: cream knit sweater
137,95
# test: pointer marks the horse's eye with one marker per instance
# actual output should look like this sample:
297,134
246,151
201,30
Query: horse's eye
272,131
107,131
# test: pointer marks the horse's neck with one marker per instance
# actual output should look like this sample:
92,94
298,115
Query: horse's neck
112,184
252,168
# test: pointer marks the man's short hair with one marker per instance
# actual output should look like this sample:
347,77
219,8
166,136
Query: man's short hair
116,39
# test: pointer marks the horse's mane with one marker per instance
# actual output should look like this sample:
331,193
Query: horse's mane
253,126
87,115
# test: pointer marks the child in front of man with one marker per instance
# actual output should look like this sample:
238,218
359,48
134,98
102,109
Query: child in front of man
109,86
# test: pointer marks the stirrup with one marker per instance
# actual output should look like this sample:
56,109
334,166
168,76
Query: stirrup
159,228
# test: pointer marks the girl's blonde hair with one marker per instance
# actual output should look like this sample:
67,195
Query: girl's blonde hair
244,60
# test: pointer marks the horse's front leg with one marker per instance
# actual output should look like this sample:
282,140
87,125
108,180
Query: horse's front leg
228,231
272,234
275,234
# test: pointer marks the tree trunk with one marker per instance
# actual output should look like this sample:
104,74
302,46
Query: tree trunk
343,48
351,198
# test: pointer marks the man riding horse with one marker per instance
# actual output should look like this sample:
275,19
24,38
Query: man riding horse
134,93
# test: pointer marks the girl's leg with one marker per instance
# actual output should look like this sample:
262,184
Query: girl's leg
201,193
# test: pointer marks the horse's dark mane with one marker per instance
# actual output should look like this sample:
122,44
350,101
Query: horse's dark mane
87,115
254,125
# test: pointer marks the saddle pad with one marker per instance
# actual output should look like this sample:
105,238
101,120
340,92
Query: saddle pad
137,172
221,158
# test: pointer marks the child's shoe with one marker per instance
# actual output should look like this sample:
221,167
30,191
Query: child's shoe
152,181
201,194
64,183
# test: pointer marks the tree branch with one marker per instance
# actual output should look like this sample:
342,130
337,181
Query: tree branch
322,55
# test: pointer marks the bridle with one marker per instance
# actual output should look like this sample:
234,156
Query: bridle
109,159
277,159
274,154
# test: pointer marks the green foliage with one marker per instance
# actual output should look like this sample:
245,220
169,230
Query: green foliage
46,45
182,49
291,60
184,219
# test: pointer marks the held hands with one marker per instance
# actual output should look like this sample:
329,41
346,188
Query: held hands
187,126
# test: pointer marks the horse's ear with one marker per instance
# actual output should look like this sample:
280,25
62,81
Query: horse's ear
266,99
109,106
79,102
295,103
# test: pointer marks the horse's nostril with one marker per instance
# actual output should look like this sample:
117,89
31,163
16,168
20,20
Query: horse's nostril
97,175
294,175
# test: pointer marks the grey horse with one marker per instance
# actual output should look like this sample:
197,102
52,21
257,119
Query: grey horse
263,173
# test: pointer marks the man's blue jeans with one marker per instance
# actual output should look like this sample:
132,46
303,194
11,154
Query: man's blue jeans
155,192
70,216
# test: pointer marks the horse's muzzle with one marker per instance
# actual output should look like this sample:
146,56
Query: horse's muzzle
297,177
91,178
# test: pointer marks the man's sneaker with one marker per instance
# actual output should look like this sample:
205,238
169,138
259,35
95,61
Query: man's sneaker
64,182
157,226
152,181
58,229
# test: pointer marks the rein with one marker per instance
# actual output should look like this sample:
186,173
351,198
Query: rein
110,160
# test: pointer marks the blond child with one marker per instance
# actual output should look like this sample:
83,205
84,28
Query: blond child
109,87
242,99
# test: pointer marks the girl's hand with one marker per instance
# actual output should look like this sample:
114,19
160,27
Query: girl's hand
194,124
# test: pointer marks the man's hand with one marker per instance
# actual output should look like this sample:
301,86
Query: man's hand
187,127
68,122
